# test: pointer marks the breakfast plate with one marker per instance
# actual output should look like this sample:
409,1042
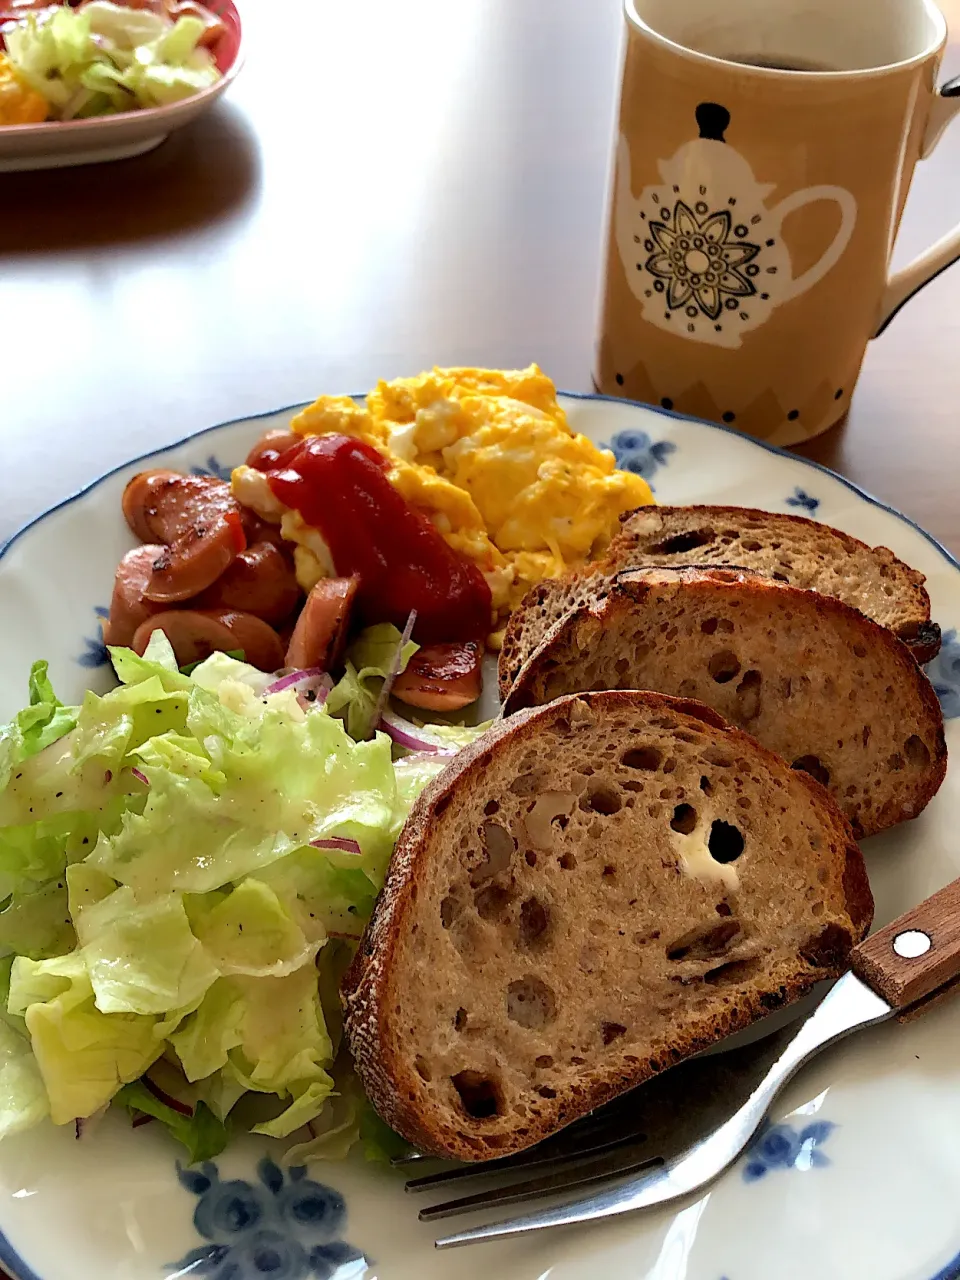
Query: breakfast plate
858,1173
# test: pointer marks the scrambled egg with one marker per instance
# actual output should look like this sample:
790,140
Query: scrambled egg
19,104
488,457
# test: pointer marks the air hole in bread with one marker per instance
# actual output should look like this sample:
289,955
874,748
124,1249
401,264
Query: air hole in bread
567,861
492,902
479,1095
859,651
545,1060
708,626
669,764
603,800
917,751
733,971
530,858
751,544
546,1092
499,846
748,696
449,910
813,766
631,785
423,1068
609,871
895,763
642,758
725,841
684,819
704,943
534,920
780,577
744,802
687,541
723,666
724,909
491,807
531,1003
612,1031
460,1019
706,786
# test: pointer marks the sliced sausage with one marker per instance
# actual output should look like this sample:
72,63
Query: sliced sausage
196,559
269,447
129,606
196,633
138,499
320,635
441,677
260,581
163,506
259,530
260,643
193,635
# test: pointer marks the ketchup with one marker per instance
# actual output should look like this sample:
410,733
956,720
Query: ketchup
339,486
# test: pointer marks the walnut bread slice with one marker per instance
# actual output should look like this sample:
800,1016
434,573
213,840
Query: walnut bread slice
809,676
591,892
792,549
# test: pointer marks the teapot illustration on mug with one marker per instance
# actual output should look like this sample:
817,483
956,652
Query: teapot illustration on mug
702,253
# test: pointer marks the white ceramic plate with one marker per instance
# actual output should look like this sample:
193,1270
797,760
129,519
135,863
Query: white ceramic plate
860,1176
62,144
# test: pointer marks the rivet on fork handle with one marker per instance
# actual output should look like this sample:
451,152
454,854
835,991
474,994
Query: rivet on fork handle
917,956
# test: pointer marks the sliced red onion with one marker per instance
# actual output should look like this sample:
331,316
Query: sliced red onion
338,842
304,681
78,1126
141,777
395,666
162,1096
139,1120
406,734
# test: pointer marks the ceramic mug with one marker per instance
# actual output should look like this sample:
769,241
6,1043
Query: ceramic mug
764,155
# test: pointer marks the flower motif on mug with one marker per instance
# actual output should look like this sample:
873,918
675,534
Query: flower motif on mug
700,261
285,1228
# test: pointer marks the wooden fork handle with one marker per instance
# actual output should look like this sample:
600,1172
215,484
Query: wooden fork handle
917,957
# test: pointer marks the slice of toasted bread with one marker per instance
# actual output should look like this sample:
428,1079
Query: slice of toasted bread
810,677
790,549
591,892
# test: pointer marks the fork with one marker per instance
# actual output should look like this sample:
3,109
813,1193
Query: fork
651,1147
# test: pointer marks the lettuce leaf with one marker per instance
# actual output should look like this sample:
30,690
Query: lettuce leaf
203,1134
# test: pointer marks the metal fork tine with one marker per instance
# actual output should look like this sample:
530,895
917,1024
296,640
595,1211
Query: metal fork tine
409,1157
569,1178
538,1157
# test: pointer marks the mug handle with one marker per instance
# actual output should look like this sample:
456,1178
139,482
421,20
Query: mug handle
903,284
848,218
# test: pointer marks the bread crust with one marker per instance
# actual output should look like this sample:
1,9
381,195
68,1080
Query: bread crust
915,628
624,592
384,1060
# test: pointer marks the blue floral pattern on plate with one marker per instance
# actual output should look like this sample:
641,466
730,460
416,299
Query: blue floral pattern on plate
944,673
95,654
781,1146
213,468
635,451
285,1228
800,498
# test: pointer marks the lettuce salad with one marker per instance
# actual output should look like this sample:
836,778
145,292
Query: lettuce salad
103,58
186,866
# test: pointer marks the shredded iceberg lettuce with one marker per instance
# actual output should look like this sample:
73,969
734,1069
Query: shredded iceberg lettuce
165,904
